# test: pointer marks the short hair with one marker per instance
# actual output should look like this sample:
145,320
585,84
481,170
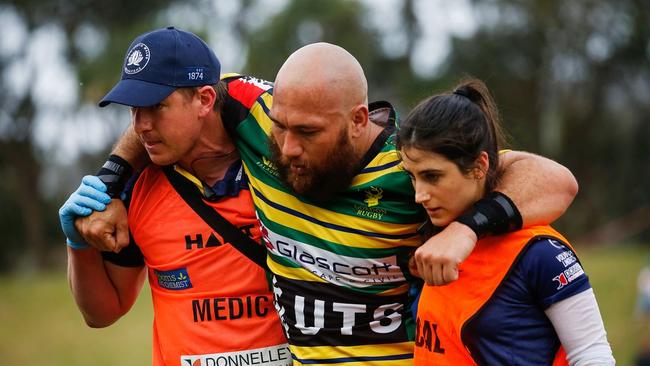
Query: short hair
221,88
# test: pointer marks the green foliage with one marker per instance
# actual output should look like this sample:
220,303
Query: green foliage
339,22
304,22
572,82
29,225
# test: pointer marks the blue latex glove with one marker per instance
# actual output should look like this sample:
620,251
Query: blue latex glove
87,198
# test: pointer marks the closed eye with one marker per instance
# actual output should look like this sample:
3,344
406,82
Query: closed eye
431,177
307,132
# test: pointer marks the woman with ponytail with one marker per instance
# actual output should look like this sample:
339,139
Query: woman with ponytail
522,298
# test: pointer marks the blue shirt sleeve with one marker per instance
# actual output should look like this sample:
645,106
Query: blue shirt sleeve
553,272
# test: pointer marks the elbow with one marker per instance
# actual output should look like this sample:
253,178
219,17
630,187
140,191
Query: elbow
95,324
570,189
98,321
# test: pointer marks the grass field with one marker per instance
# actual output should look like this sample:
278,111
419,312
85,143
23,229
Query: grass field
40,324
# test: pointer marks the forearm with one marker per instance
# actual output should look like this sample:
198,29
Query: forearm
130,148
580,328
541,189
128,155
100,300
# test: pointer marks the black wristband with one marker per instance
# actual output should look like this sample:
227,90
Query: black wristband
494,214
115,173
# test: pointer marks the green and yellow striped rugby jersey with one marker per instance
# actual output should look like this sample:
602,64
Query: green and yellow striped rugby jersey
339,267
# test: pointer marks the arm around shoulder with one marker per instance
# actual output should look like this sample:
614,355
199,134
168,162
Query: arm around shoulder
541,188
129,148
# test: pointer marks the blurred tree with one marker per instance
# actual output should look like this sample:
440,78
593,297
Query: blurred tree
572,80
24,216
346,24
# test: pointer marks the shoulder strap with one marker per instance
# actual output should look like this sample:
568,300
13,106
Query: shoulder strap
231,234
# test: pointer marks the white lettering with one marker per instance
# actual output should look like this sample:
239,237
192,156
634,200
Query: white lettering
386,312
336,268
574,272
349,311
319,316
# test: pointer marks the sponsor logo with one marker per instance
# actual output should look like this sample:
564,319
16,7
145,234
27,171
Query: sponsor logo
268,356
373,195
197,240
332,267
265,237
137,59
556,244
426,336
567,258
569,275
176,279
304,316
268,166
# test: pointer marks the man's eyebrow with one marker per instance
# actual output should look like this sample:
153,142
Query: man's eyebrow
430,171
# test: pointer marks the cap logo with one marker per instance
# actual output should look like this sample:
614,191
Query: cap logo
138,59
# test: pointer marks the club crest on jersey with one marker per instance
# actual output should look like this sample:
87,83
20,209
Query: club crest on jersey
137,59
569,275
373,195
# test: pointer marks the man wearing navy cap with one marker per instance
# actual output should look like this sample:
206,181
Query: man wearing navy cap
336,209
211,303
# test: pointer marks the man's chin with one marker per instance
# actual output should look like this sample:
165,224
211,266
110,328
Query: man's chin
299,184
161,160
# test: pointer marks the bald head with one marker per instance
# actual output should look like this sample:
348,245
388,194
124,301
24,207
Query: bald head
321,128
325,71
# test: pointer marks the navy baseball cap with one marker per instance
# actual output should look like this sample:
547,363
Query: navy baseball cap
159,62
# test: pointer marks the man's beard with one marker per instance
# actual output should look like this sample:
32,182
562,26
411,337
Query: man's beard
320,182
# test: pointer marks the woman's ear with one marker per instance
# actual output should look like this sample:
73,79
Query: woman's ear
482,164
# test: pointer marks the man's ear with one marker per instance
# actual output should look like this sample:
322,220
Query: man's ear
207,97
359,116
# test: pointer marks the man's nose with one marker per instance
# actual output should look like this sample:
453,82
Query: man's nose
291,145
142,120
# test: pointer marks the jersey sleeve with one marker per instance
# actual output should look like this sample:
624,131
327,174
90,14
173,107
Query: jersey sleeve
243,93
553,271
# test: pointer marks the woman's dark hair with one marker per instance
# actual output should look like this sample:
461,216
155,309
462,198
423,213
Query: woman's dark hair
457,125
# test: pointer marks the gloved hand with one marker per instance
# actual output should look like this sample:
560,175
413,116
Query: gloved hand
89,197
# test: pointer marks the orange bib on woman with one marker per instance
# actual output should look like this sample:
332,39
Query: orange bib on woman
444,310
